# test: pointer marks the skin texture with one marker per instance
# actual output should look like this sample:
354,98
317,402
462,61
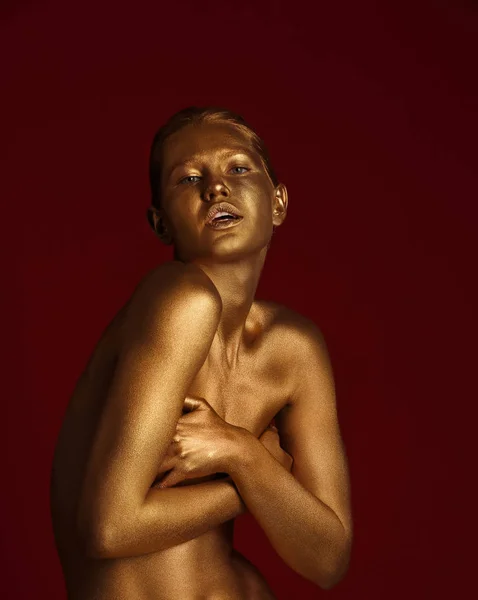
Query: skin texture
166,440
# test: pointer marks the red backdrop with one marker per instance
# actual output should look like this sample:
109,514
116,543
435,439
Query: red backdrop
367,108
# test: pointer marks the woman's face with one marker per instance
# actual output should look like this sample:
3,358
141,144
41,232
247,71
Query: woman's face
211,163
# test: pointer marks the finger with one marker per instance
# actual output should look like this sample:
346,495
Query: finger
271,427
169,462
290,461
172,478
271,435
188,422
272,431
194,403
186,419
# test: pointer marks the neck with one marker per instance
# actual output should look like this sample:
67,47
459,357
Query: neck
236,282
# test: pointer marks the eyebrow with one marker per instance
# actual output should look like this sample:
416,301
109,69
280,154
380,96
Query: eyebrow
230,152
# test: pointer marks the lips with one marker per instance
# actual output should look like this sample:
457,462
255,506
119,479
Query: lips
222,209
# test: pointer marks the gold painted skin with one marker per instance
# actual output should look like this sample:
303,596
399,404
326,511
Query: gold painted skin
192,336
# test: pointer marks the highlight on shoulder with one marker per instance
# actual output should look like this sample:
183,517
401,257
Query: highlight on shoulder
301,332
172,290
182,276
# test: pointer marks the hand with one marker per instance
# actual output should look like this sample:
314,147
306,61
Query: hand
201,445
270,439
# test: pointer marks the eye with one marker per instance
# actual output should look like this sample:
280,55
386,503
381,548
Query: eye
239,172
189,179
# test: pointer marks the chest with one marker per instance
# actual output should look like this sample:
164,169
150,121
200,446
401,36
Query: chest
248,396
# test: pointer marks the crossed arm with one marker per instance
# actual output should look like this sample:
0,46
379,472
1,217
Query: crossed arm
120,515
309,522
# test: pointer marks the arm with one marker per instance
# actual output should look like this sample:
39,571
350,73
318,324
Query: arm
212,503
169,329
309,522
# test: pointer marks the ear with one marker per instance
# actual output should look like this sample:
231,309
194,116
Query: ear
158,222
279,206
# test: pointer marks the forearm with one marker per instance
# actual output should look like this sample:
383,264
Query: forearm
171,516
304,531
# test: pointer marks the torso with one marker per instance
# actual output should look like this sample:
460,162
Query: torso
248,396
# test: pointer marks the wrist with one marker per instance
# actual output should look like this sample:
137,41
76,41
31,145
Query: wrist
242,453
241,507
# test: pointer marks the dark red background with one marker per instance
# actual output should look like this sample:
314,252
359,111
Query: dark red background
370,116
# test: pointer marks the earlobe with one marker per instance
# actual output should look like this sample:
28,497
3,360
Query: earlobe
163,232
149,217
280,205
157,222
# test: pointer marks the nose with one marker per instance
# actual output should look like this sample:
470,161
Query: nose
215,189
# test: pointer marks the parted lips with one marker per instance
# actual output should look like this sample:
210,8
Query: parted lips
222,209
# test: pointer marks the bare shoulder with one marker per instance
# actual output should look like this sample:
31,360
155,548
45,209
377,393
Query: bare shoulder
297,346
170,291
297,332
173,275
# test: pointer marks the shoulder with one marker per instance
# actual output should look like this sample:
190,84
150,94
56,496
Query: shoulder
303,350
299,331
177,277
175,293
298,339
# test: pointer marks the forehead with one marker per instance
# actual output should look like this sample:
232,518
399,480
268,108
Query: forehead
194,141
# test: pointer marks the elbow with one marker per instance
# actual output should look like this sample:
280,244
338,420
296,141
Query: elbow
333,577
336,573
327,583
97,538
99,544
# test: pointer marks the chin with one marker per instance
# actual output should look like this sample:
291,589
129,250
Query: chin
225,250
230,254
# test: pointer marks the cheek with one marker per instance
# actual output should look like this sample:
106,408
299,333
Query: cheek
256,194
181,213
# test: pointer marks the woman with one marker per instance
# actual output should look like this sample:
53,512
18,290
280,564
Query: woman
166,437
